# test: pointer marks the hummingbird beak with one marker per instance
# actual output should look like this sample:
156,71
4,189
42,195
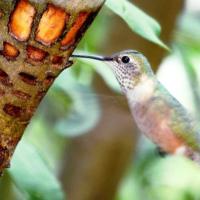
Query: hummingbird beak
100,58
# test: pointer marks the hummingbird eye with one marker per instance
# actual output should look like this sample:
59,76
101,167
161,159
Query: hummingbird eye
125,59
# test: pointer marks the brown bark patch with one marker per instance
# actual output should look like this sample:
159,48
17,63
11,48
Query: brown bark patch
28,78
4,78
49,79
1,13
35,54
10,52
57,60
21,20
2,92
21,95
51,25
40,95
4,155
12,110
70,37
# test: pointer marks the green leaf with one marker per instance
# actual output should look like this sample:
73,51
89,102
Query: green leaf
32,176
79,120
84,112
43,137
137,20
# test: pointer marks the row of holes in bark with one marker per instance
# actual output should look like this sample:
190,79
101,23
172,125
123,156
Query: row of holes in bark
25,77
51,26
34,54
17,93
17,111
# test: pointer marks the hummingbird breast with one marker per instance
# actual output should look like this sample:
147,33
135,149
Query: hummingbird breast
153,115
154,122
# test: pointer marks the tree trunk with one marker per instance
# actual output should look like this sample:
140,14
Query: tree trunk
37,39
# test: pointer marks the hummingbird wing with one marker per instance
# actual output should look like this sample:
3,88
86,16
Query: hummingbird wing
181,122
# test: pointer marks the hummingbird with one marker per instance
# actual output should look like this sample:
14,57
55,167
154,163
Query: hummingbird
160,116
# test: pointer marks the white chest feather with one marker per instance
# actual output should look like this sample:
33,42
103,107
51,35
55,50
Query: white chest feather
142,92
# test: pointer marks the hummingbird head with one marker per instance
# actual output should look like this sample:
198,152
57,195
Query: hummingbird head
129,67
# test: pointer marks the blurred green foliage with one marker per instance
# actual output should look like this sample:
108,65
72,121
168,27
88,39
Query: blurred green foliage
146,26
72,108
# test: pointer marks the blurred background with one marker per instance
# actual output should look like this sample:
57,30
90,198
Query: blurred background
83,144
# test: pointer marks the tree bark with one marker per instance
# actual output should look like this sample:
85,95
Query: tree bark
37,40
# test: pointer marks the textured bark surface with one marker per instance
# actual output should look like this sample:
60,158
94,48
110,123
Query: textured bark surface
37,38
98,160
